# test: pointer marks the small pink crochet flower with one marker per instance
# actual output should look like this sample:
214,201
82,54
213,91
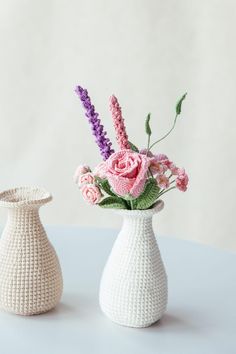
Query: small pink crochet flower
127,172
81,169
163,181
91,193
121,135
161,157
182,180
86,178
157,167
100,170
146,152
174,169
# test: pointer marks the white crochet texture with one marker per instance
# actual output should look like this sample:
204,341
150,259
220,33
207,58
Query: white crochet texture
133,289
30,274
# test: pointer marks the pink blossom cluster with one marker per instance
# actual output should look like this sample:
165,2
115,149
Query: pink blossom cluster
167,173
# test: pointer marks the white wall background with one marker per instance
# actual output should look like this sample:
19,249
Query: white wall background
147,52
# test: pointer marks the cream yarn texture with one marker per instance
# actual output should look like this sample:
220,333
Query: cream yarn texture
30,274
133,289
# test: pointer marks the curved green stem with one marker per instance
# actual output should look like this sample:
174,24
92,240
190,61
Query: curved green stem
165,191
166,133
148,146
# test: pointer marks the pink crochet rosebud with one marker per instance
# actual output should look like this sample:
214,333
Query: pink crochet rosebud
81,169
91,193
118,120
86,178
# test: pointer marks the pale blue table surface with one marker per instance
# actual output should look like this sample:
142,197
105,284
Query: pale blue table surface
200,319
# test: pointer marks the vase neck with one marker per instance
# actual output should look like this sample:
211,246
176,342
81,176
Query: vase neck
138,227
24,219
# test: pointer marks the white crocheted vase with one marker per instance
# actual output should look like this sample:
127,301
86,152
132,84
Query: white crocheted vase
133,289
30,273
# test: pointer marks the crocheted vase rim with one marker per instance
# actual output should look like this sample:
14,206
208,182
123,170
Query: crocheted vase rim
159,205
24,196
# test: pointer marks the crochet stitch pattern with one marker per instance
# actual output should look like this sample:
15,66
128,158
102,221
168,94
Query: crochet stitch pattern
30,274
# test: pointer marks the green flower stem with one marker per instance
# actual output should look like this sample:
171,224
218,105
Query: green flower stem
165,191
173,126
131,204
150,171
148,145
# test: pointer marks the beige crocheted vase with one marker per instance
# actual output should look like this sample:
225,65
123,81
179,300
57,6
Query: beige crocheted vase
133,289
30,273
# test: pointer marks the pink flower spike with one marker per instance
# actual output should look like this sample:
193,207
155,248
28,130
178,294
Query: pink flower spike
81,169
91,193
86,178
163,181
118,121
182,180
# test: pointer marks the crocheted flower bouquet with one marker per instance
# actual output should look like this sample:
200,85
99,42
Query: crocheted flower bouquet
130,178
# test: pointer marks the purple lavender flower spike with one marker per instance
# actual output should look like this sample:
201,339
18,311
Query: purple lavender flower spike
102,141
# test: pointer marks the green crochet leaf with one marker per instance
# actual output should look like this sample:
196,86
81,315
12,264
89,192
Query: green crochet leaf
147,125
105,186
179,104
133,147
148,197
113,203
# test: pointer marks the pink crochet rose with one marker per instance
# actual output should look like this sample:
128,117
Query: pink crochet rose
182,180
86,178
163,181
81,169
91,193
127,172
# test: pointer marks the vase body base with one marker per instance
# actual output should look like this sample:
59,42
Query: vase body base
132,324
133,288
28,313
135,311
